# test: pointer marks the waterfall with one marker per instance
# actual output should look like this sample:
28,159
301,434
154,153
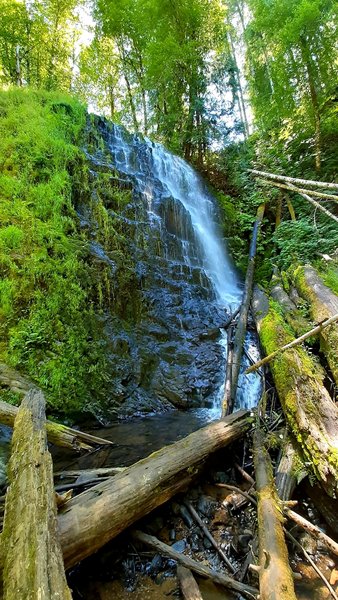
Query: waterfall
188,277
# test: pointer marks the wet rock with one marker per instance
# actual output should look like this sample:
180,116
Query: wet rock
207,544
186,516
179,546
206,505
155,566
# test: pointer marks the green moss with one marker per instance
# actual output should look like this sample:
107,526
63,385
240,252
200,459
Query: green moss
288,368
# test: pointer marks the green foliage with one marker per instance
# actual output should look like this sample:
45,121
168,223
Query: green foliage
298,241
47,296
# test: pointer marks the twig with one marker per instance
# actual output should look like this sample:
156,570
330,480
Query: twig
233,488
312,529
312,563
209,536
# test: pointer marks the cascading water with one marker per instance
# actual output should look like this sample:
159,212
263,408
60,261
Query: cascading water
189,233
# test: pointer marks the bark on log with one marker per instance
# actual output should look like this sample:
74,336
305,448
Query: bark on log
243,316
291,313
33,567
99,514
189,587
275,575
293,180
311,414
195,566
58,434
328,507
323,305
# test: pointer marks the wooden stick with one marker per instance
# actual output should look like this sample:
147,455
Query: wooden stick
306,182
227,407
189,587
312,563
233,488
33,565
244,474
295,342
302,190
330,544
209,536
189,563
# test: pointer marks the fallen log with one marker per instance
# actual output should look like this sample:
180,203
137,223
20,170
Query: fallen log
32,558
292,314
323,305
101,513
188,585
275,575
294,180
311,414
318,329
321,195
189,563
239,338
89,473
58,434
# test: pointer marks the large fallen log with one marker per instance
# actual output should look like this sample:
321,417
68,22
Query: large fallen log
311,414
323,305
275,575
32,558
293,180
58,434
237,350
98,515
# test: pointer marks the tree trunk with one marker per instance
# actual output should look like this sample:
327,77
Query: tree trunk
33,566
286,480
243,315
58,434
309,410
321,195
306,55
323,305
275,575
101,513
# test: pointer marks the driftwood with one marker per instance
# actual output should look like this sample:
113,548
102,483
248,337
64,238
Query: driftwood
275,576
293,180
189,587
228,403
58,434
323,305
311,414
32,558
99,514
296,342
229,583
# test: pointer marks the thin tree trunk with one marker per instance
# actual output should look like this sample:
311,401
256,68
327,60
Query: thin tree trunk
18,66
33,566
98,515
295,181
240,97
243,315
321,195
314,101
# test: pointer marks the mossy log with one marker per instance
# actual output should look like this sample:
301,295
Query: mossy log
32,558
323,305
58,434
98,515
291,313
275,575
311,414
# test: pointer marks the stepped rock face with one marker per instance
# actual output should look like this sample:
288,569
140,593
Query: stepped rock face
165,278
